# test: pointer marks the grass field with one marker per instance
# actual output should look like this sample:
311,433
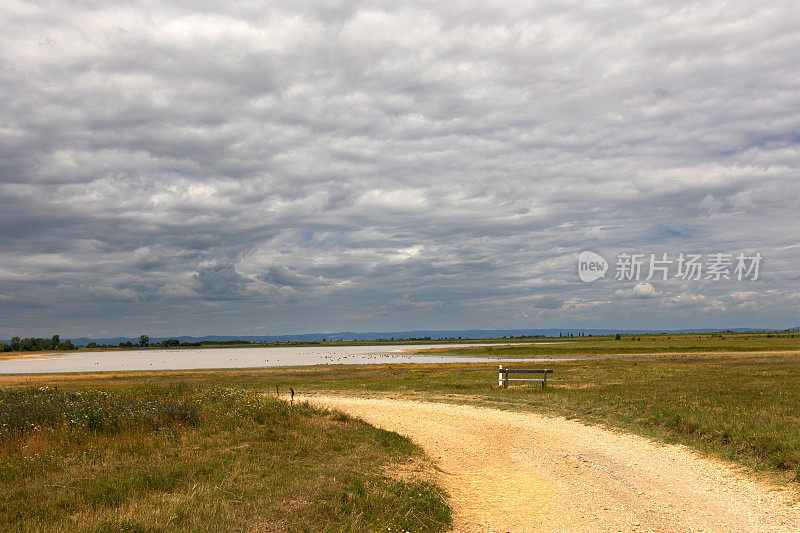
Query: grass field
187,457
640,344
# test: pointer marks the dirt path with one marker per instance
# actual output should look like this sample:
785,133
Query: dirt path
520,472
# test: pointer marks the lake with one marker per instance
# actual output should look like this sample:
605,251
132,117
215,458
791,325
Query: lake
257,357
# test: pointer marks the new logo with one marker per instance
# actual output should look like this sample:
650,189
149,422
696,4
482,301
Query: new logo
591,266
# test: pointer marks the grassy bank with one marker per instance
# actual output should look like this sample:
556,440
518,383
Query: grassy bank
640,344
140,456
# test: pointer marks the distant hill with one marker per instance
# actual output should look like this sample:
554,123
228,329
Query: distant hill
415,334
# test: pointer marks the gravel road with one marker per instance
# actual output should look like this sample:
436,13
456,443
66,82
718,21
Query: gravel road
516,472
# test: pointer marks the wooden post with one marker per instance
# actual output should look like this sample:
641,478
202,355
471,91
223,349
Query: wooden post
500,377
503,377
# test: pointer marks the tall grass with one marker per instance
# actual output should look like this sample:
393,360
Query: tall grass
73,411
194,458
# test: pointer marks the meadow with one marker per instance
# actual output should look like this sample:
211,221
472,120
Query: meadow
186,457
666,343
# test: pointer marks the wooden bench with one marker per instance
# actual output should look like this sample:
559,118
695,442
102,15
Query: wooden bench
504,372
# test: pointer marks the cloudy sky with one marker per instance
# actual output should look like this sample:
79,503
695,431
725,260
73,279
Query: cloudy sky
255,168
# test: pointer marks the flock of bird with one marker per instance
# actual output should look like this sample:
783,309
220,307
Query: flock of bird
212,358
186,359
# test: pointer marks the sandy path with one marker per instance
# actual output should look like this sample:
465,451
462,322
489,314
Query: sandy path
515,472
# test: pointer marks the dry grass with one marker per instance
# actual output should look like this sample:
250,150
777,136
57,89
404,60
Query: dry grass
186,458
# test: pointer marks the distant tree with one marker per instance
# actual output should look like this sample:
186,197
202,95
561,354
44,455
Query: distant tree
66,345
36,344
32,344
4,347
144,341
92,345
617,337
167,343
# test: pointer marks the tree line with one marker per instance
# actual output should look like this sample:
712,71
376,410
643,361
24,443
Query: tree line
36,344
144,342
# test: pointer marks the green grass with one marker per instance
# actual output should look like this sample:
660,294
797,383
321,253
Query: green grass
640,344
189,457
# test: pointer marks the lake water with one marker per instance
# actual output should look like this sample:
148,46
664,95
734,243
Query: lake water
188,359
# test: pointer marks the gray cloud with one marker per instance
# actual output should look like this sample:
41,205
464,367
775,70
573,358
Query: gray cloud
203,167
281,275
220,282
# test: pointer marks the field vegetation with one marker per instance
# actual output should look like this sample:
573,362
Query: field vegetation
142,456
639,344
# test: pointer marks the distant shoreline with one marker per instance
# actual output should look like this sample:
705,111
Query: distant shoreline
82,349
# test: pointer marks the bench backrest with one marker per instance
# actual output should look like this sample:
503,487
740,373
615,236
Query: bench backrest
503,378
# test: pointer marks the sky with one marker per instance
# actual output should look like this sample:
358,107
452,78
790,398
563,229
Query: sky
260,168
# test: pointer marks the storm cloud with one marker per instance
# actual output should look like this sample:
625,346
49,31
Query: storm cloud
200,167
